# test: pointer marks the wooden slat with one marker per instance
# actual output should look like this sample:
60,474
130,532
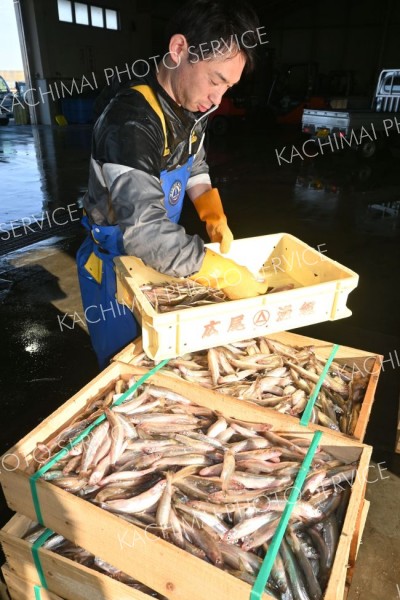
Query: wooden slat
4,595
64,415
357,538
127,354
65,577
20,589
155,562
350,531
363,520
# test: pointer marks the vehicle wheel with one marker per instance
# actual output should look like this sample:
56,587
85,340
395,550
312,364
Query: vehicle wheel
4,121
219,125
368,149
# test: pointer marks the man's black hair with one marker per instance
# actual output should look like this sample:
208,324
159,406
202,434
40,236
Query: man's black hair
219,21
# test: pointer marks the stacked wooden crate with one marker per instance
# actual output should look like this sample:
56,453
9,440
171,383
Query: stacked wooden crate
158,564
320,294
65,578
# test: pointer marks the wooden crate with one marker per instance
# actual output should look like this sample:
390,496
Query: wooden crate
68,579
157,563
321,288
21,589
357,360
65,577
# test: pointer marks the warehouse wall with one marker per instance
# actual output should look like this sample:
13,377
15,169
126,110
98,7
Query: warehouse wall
359,35
60,51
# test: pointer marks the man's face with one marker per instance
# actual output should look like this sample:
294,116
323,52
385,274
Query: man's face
199,85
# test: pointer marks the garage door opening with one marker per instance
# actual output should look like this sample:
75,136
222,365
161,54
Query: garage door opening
13,70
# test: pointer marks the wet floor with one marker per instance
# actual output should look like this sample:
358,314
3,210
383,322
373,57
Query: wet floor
346,205
42,168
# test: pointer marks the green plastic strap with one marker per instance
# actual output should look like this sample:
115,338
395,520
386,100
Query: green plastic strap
265,570
36,558
38,593
33,479
310,404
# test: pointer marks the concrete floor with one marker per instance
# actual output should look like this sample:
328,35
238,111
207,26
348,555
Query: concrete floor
350,205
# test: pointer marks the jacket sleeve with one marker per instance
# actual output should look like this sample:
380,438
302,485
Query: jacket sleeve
128,143
200,170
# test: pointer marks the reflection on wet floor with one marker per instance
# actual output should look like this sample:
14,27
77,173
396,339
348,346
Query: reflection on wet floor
369,188
42,168
387,209
18,162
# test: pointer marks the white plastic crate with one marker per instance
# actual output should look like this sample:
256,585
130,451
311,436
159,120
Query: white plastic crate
321,287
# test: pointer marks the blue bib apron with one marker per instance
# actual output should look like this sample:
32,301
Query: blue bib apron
111,324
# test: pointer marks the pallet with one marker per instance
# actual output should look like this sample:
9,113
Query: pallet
149,559
357,360
68,579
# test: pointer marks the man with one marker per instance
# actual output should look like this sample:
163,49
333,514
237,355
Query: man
147,151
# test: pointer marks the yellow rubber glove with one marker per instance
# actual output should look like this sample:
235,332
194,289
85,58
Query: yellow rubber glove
209,208
223,273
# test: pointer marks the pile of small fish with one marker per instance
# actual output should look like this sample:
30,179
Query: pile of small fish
186,293
212,485
58,544
277,376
